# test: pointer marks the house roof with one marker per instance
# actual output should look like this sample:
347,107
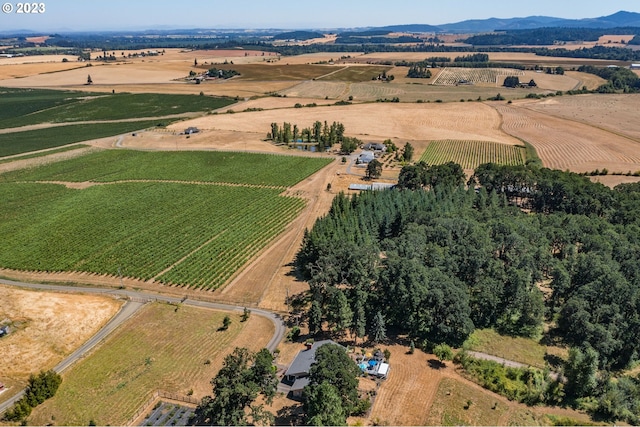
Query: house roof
300,383
302,363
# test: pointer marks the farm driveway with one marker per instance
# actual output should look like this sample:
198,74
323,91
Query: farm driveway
136,300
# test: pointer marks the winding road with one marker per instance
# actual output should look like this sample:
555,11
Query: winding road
135,301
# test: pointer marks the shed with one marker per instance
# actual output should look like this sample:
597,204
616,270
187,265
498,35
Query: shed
635,66
383,370
190,130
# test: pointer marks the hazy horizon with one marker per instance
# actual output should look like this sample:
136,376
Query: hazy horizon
68,15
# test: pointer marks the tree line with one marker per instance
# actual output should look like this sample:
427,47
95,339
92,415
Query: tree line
322,133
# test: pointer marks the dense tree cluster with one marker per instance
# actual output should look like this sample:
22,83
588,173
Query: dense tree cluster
243,377
332,393
419,72
324,134
475,57
40,388
618,78
436,264
222,74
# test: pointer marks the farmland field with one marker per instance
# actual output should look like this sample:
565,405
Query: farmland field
355,73
471,154
161,348
567,144
40,139
175,232
190,166
453,76
39,339
40,106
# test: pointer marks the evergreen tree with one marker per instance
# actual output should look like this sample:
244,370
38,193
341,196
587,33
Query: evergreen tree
378,329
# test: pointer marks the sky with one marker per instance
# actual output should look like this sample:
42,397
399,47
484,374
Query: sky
83,15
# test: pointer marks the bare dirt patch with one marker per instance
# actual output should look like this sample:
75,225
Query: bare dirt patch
49,326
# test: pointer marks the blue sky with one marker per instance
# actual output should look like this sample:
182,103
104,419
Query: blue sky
294,14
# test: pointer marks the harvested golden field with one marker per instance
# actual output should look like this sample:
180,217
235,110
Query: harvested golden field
591,81
377,121
36,59
49,326
617,112
518,57
566,144
13,71
613,180
554,82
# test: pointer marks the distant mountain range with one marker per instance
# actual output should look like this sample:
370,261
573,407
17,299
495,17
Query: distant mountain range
618,19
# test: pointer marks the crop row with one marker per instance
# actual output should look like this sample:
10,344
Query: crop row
454,76
189,166
471,154
140,229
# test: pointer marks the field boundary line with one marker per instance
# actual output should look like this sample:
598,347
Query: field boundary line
90,183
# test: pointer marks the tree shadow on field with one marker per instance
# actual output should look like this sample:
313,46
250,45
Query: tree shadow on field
292,415
436,364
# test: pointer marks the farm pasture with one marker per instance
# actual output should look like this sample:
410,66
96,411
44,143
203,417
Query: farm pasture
48,327
355,74
567,144
591,81
161,348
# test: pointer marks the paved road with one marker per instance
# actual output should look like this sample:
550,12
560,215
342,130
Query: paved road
136,300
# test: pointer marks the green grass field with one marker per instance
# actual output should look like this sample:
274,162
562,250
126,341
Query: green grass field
451,408
518,349
159,349
471,154
187,233
41,139
21,107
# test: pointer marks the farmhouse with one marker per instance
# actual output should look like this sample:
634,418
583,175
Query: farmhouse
298,372
366,157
